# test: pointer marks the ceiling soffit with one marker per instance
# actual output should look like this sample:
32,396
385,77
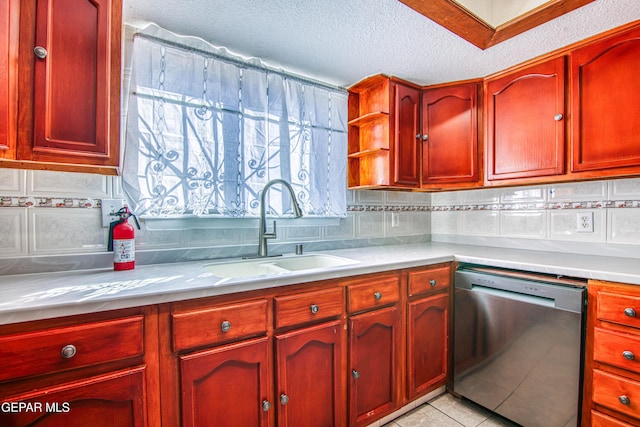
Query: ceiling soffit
465,24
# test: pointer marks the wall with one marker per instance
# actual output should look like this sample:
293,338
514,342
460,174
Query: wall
543,217
52,220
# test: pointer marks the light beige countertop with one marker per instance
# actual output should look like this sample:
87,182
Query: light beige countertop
25,297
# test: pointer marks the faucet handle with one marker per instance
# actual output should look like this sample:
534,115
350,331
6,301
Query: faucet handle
271,235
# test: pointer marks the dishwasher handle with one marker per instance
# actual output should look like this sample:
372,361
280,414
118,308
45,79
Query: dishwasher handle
551,295
514,296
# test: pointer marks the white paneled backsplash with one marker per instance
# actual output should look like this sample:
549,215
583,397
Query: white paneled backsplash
544,213
56,213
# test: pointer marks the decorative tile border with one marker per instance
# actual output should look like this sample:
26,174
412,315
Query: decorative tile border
48,202
599,204
379,208
88,203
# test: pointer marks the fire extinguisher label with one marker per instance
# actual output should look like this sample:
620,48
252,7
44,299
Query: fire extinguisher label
123,250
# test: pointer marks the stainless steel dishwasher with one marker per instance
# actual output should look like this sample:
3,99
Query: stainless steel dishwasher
518,340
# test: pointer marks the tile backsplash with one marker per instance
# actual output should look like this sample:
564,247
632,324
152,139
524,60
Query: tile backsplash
545,215
45,213
57,213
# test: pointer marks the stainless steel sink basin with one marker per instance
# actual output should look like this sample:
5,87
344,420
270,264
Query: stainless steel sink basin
275,266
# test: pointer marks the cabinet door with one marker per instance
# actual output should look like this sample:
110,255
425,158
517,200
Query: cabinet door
226,386
309,377
113,400
605,90
450,134
8,70
406,156
76,81
374,341
427,340
525,122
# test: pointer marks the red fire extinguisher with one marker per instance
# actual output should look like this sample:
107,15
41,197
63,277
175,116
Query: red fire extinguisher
121,240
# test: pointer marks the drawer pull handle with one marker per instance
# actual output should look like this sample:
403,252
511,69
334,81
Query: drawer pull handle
355,374
314,308
225,326
628,355
630,312
432,282
624,400
378,296
266,405
284,399
68,351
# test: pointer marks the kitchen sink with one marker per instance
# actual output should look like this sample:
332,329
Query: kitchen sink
310,262
276,266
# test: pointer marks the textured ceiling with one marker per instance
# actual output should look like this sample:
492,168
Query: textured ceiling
343,41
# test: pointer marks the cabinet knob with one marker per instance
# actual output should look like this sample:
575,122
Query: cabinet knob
433,282
40,52
314,308
225,326
628,355
68,351
355,374
558,117
378,296
418,136
624,400
425,137
284,399
630,312
266,405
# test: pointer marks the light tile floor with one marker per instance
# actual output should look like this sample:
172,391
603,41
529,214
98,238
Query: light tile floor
449,411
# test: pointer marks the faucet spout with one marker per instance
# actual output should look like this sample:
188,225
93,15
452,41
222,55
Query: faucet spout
263,235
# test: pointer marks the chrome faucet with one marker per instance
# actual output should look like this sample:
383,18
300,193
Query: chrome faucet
263,235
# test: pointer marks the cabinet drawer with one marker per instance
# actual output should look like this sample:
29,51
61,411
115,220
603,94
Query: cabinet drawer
431,280
373,293
308,307
611,391
599,419
617,349
623,309
60,349
214,325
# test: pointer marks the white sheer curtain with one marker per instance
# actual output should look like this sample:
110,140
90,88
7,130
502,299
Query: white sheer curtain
206,131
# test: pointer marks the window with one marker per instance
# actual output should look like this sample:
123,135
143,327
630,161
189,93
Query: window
206,131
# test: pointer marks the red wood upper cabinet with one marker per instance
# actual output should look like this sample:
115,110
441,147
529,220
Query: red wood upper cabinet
604,99
384,123
309,377
525,113
406,135
8,76
450,135
70,81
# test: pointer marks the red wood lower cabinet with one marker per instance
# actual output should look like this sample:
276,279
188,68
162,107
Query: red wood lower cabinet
374,343
309,377
227,386
113,400
427,338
